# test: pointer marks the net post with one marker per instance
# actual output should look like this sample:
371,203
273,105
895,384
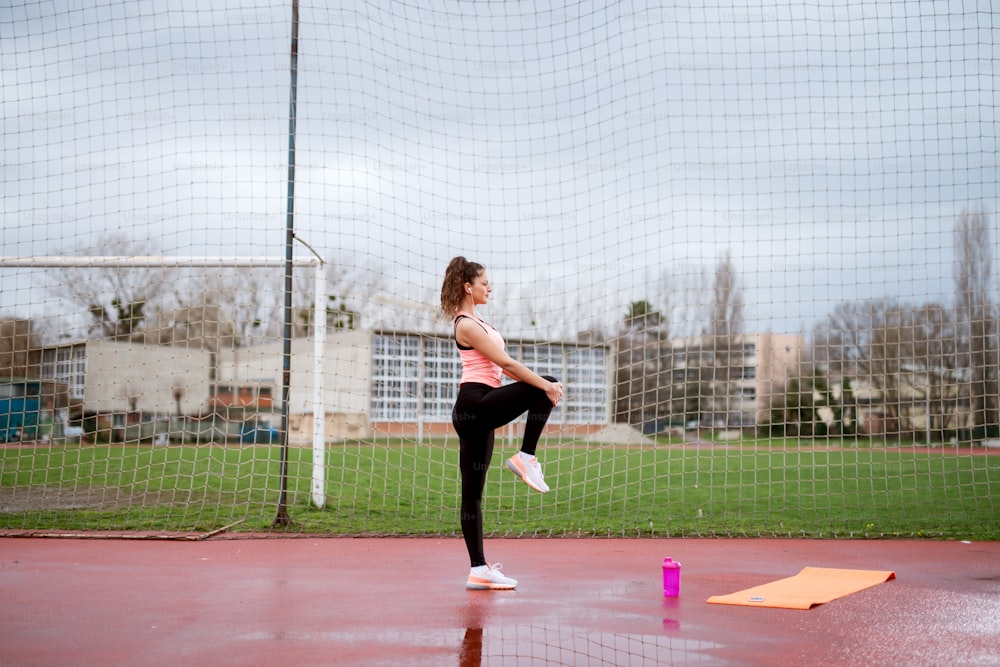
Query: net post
282,518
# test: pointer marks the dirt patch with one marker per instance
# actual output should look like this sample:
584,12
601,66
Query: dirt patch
620,434
60,498
41,498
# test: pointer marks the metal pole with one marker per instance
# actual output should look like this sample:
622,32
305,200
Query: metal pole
282,518
420,391
319,410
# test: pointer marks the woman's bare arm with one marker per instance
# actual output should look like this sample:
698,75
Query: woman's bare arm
470,334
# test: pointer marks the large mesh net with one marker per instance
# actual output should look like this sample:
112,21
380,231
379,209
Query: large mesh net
754,241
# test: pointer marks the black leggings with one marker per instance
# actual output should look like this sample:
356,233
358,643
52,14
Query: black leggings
479,410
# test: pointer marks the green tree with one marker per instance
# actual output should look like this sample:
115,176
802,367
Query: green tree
642,317
638,375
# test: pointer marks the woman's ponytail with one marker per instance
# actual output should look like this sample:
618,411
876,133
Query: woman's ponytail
459,271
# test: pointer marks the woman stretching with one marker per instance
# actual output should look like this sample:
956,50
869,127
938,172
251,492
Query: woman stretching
483,406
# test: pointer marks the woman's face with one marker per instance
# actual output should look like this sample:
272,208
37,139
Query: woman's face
480,289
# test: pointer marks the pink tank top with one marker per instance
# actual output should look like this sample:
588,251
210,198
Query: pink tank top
475,366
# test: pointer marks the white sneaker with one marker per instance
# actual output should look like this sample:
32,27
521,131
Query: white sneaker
491,580
530,471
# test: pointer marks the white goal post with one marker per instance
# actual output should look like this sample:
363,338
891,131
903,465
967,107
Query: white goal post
156,261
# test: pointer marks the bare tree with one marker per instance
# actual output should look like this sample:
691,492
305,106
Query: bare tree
726,314
915,352
908,354
723,332
115,298
858,340
886,361
352,295
842,342
977,318
250,298
201,326
239,307
935,357
218,309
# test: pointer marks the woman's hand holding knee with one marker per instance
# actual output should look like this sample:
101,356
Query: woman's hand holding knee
554,392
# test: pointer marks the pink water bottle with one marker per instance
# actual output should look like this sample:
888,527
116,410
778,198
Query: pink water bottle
671,578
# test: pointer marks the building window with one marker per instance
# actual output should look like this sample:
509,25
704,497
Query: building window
66,365
394,376
415,378
442,369
586,381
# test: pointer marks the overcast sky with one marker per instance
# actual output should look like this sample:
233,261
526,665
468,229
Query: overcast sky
579,151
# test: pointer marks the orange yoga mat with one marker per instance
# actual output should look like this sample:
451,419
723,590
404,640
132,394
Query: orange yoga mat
810,587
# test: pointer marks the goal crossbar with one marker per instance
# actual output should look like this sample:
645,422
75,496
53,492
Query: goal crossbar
149,261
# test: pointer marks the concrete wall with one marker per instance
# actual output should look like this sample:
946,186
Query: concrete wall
148,374
346,380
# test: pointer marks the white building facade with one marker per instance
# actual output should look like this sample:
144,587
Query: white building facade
368,383
404,383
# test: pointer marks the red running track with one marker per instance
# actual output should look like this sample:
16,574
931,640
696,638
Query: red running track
402,601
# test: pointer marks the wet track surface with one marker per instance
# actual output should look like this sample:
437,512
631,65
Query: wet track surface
402,601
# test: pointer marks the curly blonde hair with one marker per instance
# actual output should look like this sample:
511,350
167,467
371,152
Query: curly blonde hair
459,271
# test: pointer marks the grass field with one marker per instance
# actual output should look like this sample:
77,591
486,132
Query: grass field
750,488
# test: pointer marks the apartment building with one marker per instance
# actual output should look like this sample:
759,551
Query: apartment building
729,383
